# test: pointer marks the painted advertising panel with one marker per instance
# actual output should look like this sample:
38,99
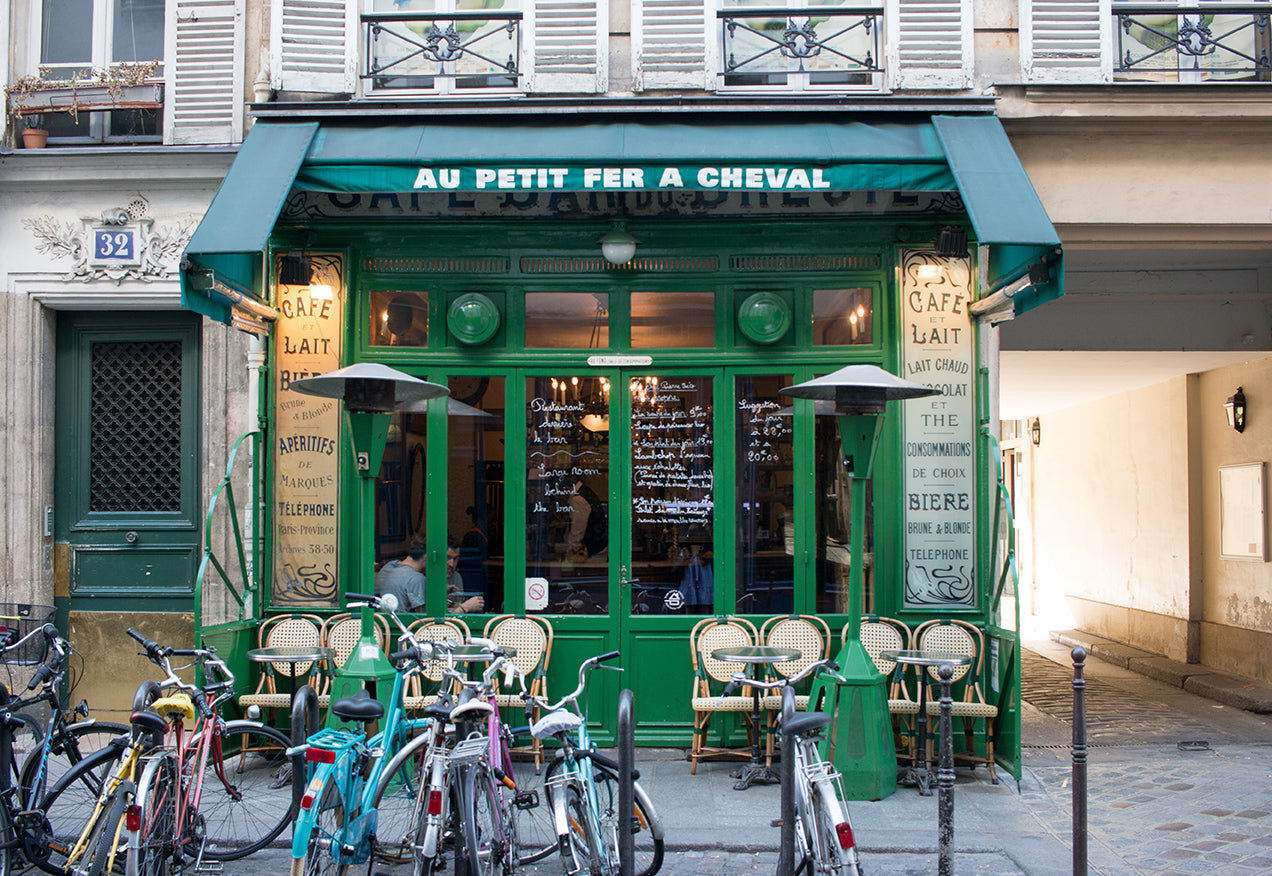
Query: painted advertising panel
940,432
306,441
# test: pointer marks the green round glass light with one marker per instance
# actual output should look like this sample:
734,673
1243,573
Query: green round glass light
764,318
473,318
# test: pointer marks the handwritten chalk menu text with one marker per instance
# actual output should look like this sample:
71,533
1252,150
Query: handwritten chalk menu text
940,476
567,492
306,443
672,451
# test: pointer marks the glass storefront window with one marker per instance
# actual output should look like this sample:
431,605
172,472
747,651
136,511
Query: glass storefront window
673,495
399,501
475,493
765,497
842,317
833,513
399,319
567,494
567,320
673,320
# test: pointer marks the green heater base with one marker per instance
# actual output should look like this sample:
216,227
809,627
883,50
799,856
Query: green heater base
859,739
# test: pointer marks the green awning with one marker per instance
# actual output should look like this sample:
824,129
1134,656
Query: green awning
222,273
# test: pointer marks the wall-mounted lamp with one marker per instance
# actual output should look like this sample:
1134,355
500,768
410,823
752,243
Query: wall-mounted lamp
952,242
1235,408
618,246
297,269
1035,431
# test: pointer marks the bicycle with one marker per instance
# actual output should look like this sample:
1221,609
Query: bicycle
583,787
247,817
41,750
171,820
823,831
344,810
435,798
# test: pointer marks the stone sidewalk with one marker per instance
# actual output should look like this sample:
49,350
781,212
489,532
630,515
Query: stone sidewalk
1178,784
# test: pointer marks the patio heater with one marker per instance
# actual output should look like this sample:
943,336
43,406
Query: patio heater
371,393
863,749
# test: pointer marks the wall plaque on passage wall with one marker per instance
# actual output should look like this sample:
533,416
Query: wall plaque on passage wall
940,433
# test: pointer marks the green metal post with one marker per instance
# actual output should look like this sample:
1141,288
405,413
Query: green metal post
862,731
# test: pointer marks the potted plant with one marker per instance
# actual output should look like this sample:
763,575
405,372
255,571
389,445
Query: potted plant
33,136
127,85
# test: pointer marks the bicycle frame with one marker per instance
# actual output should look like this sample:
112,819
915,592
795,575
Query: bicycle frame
337,755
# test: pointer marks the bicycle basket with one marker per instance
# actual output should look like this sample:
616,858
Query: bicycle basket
17,619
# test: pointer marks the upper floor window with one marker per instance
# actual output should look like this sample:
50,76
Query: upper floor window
800,45
78,37
442,46
1192,41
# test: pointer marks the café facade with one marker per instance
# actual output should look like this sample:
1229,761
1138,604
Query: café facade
616,308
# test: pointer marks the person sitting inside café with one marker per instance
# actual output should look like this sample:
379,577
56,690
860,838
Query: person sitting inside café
404,578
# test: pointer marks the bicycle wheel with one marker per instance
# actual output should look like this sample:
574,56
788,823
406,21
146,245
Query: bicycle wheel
837,850
70,802
581,848
71,744
27,737
247,795
536,836
643,823
105,851
156,846
479,822
401,817
329,815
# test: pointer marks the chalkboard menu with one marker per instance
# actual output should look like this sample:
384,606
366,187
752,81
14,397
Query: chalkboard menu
940,431
671,452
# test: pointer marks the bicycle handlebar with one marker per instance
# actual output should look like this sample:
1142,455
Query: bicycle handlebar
161,656
584,668
740,678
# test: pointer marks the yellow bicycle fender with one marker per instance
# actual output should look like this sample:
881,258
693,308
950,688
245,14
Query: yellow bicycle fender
179,702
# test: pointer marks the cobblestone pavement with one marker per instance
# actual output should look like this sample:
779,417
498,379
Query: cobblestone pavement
1177,785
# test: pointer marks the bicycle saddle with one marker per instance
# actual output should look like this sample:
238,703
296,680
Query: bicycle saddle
555,722
806,723
150,724
471,708
438,711
359,707
179,703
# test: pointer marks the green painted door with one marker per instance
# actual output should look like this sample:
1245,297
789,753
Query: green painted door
126,469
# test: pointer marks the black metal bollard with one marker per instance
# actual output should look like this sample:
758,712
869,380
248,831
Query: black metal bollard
626,742
786,852
1079,765
945,776
304,723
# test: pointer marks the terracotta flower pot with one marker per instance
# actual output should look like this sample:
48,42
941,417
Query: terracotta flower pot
34,138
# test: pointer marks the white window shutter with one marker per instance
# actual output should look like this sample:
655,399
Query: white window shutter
1066,40
929,44
674,44
203,71
566,44
313,46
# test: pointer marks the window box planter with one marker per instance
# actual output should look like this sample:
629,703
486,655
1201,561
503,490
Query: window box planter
73,98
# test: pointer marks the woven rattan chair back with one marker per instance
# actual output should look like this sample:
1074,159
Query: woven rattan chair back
880,635
714,633
291,631
439,630
806,633
341,634
951,637
531,636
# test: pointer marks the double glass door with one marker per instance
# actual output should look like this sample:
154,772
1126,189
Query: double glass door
623,492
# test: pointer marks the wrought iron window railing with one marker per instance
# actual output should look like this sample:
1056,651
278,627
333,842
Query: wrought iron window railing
1192,42
798,49
451,52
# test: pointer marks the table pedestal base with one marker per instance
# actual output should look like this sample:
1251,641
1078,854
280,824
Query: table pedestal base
754,774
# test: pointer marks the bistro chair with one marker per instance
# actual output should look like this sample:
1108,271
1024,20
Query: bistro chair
531,635
709,678
341,633
878,636
809,635
952,636
436,629
279,631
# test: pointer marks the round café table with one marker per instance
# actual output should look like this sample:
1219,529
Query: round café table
755,772
291,655
919,774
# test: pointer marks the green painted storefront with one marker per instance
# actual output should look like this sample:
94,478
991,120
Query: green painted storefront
633,410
